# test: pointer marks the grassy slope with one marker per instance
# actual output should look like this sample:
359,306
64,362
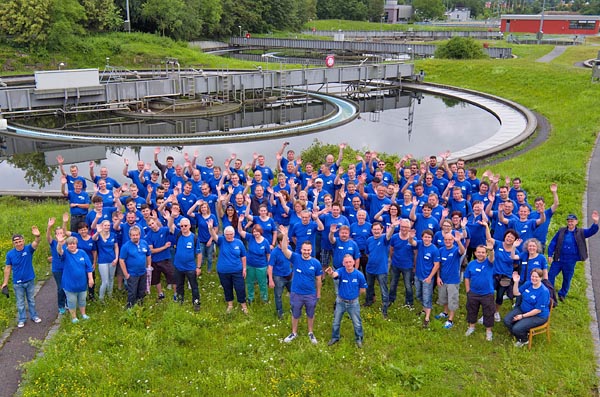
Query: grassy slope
170,351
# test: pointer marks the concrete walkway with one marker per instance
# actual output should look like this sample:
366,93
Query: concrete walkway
549,57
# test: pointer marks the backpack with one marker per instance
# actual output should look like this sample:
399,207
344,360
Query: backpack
553,296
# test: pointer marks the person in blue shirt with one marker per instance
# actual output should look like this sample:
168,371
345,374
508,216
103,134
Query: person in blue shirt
402,264
306,285
74,174
79,202
378,249
426,267
566,249
231,265
532,257
57,263
107,257
111,183
187,261
134,175
259,251
448,279
77,276
352,283
205,240
279,273
19,261
541,232
134,258
159,240
534,309
479,286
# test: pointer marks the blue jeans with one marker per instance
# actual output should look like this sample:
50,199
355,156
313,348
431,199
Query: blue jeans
424,292
407,276
382,280
107,277
25,291
520,329
76,299
353,309
567,269
231,281
280,284
60,293
207,252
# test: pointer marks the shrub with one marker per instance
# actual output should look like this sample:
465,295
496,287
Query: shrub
460,48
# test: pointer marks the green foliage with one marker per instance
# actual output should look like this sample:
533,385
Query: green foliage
27,21
66,28
357,10
460,48
428,9
166,14
101,16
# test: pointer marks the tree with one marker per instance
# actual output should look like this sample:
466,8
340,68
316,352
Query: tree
166,14
101,15
27,21
34,165
67,17
428,9
460,48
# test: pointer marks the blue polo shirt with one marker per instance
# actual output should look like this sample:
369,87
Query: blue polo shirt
282,267
378,250
481,275
22,264
77,266
305,271
426,258
350,284
450,265
134,256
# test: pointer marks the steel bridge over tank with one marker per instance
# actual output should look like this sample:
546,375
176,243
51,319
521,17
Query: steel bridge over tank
129,89
490,34
358,47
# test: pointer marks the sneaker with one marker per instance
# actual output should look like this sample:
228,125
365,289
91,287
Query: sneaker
518,343
441,316
448,324
21,324
85,317
280,315
497,317
161,297
290,337
196,305
425,323
62,310
37,320
174,297
470,331
332,342
489,336
480,321
409,307
312,338
359,344
75,320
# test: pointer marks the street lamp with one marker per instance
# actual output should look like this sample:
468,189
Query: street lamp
382,19
240,26
409,49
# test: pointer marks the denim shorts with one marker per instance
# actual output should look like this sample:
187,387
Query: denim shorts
308,301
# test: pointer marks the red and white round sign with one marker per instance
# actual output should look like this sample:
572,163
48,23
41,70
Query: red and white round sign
329,61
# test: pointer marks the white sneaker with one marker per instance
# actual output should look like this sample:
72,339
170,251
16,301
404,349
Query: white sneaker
290,337
21,324
312,338
37,320
480,321
489,336
470,331
497,317
520,344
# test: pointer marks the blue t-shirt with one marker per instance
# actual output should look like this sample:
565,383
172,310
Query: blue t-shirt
268,227
185,252
526,228
78,198
360,234
450,265
403,254
535,299
304,233
329,220
57,262
22,264
481,276
426,258
89,245
106,248
350,284
341,248
378,250
282,267
202,225
421,224
230,255
134,256
157,239
76,267
257,252
503,263
305,271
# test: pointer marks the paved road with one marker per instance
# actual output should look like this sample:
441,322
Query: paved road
557,51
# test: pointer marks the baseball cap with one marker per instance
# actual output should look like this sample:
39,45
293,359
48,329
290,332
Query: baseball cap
571,217
318,180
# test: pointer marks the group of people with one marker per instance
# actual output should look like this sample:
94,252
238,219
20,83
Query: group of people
428,222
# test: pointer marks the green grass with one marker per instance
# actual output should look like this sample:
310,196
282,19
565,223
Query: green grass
17,217
164,349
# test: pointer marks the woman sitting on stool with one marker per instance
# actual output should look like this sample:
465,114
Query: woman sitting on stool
533,310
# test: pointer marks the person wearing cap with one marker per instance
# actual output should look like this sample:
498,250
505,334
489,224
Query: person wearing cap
566,249
19,260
